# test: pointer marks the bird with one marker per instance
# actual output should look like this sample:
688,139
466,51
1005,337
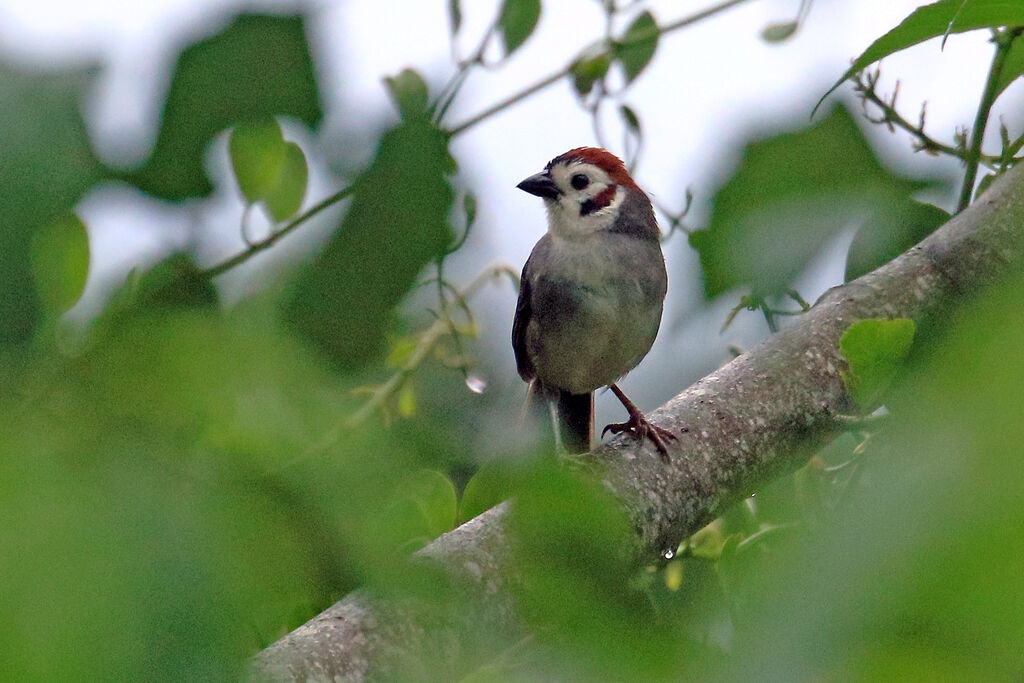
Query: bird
591,294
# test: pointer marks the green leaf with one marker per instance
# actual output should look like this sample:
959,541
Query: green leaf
637,47
630,117
518,20
1013,65
409,92
342,302
285,198
257,67
874,350
46,165
454,15
586,72
779,32
792,194
257,153
431,498
932,21
889,232
60,263
490,485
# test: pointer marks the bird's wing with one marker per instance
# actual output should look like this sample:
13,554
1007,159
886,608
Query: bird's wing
523,313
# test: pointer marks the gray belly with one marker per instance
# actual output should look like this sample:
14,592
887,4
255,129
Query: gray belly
588,331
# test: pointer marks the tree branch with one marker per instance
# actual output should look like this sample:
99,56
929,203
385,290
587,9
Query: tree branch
758,417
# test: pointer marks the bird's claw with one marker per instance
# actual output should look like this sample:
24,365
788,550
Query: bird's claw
641,429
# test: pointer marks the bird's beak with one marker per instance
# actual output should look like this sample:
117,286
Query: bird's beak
541,185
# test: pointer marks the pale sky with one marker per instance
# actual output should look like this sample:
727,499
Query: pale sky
708,86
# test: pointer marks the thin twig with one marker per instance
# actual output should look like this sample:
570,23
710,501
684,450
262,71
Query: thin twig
274,237
1003,42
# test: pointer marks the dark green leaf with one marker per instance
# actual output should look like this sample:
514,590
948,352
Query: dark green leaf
777,33
874,350
791,194
889,232
174,283
469,206
630,117
257,154
409,92
517,21
257,67
983,185
1013,65
434,496
454,15
46,165
937,19
285,198
638,45
397,223
489,486
586,72
60,263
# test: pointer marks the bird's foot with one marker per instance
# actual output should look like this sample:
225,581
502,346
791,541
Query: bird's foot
641,429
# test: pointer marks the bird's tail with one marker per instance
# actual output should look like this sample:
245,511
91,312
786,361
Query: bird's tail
574,421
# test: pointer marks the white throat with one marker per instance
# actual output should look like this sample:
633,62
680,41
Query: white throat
565,221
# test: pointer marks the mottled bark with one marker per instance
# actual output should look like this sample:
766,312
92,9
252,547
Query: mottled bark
754,419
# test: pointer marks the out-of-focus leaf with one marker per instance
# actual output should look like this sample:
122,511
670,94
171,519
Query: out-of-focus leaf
889,232
586,72
407,401
258,67
630,117
60,262
285,198
874,350
934,20
435,497
257,154
175,282
777,33
409,92
575,582
790,196
397,223
642,36
517,21
490,485
1013,66
46,165
920,564
455,15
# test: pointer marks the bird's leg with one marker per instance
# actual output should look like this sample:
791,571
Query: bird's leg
639,426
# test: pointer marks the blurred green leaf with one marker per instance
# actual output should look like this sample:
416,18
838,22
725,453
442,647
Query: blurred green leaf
257,154
517,21
874,350
586,72
397,223
491,485
779,32
636,56
60,263
257,67
435,498
631,119
175,282
934,20
285,198
889,232
792,194
1013,66
46,165
454,15
409,92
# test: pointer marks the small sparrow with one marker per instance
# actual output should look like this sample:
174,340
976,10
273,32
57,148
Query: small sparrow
591,294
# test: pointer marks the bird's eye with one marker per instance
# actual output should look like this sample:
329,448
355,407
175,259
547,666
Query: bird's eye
579,181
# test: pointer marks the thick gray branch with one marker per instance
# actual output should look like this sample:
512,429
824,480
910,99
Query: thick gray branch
756,418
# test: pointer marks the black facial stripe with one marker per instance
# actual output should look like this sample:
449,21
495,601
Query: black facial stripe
588,207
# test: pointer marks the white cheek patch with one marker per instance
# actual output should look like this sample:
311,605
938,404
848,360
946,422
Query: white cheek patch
564,219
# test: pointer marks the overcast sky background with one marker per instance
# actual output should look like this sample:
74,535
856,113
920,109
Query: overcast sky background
709,87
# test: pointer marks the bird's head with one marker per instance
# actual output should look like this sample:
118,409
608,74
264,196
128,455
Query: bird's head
584,191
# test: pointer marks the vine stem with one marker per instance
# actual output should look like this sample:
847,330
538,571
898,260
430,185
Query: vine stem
988,97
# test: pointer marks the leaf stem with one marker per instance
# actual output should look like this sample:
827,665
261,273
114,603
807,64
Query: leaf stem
1003,42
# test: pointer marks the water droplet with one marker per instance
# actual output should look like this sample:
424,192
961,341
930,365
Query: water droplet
669,554
476,384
